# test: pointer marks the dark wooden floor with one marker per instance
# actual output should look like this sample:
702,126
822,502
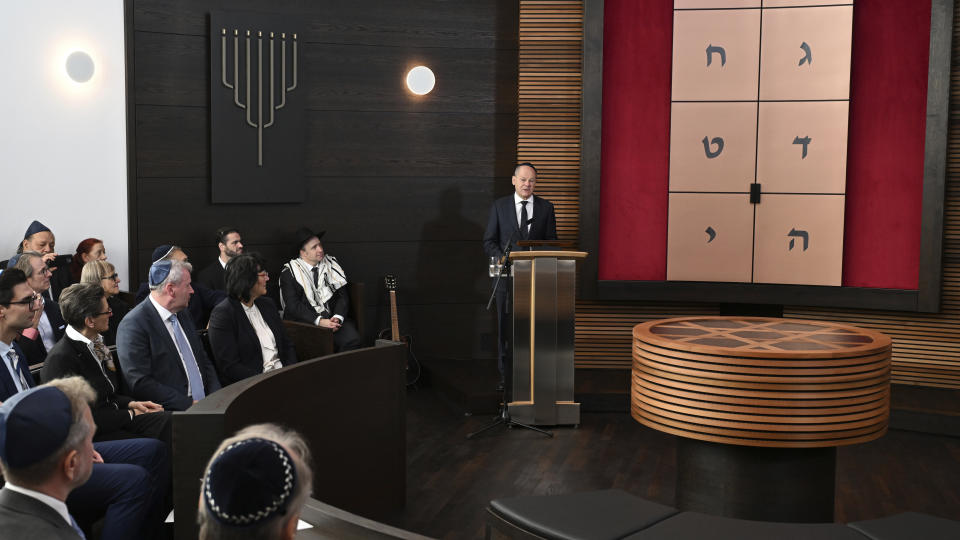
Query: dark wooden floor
451,479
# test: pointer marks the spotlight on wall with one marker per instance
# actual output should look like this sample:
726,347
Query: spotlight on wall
80,66
420,80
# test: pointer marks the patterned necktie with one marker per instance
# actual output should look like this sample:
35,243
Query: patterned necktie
193,372
106,360
523,218
316,276
15,363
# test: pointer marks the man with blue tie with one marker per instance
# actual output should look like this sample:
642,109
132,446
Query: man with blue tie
161,355
130,478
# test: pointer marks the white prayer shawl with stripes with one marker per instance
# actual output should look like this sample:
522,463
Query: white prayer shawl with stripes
331,278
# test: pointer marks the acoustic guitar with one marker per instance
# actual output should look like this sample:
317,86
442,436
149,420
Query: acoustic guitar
393,333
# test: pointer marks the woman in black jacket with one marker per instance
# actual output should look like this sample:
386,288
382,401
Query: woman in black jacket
246,333
104,274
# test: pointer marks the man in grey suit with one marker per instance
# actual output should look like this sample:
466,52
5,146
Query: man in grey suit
161,355
520,216
46,450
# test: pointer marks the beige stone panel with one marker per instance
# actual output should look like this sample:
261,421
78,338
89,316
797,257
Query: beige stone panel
715,4
732,74
824,72
799,240
783,129
692,255
732,125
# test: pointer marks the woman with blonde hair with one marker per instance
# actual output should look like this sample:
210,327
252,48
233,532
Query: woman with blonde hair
104,274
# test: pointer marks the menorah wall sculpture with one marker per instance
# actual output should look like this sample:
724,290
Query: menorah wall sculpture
235,86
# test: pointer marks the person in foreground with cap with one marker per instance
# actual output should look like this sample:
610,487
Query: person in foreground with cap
46,451
312,291
255,485
203,299
132,477
161,355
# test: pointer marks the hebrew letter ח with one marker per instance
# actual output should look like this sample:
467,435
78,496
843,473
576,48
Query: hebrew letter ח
711,49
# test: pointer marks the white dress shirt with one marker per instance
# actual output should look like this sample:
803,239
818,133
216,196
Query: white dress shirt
165,314
268,342
519,207
46,332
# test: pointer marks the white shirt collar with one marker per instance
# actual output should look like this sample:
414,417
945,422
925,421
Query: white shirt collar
312,266
223,263
56,504
164,312
73,334
517,198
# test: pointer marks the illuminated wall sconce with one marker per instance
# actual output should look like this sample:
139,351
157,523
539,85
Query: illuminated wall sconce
80,66
420,80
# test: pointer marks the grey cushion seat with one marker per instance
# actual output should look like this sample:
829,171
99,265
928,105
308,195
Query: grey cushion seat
909,526
596,515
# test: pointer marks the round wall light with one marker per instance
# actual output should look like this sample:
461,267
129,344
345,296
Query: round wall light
420,80
80,66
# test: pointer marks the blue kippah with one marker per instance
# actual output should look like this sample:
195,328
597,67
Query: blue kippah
249,481
13,260
160,252
33,425
159,272
34,228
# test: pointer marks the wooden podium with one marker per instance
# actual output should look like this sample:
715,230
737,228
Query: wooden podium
543,331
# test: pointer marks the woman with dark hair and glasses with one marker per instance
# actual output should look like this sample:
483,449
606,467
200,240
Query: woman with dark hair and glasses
246,333
104,274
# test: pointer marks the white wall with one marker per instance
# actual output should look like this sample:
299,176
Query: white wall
63,143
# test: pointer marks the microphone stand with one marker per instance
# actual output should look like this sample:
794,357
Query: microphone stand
503,416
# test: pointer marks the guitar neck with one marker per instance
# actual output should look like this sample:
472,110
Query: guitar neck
394,323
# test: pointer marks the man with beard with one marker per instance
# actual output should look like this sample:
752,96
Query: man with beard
231,245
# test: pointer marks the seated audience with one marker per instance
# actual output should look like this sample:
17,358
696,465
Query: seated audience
131,477
161,356
203,300
313,290
230,245
88,250
49,326
105,275
82,352
255,485
246,333
39,238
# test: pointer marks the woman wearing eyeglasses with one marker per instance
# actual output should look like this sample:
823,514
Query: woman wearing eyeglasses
246,333
104,274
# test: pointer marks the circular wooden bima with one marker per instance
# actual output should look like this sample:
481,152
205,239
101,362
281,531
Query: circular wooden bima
757,381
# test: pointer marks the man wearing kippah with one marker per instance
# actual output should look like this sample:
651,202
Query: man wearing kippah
203,299
46,450
255,485
38,237
161,355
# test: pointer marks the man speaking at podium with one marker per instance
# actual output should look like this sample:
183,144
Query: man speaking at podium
520,216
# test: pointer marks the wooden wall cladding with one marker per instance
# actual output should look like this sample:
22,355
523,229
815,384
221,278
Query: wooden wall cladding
402,184
926,347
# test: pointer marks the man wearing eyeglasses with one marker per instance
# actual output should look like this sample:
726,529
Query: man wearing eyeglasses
49,327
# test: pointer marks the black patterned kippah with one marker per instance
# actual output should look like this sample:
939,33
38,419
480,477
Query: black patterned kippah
249,481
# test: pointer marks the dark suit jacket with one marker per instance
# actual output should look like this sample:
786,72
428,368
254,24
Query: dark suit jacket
60,280
69,357
7,386
25,517
236,348
211,277
33,349
296,307
150,362
502,226
120,310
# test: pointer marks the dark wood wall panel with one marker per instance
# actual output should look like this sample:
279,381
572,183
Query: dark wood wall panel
401,183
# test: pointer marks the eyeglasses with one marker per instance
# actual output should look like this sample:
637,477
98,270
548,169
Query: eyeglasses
109,311
263,273
35,302
45,271
112,277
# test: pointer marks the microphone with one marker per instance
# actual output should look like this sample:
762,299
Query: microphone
510,241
